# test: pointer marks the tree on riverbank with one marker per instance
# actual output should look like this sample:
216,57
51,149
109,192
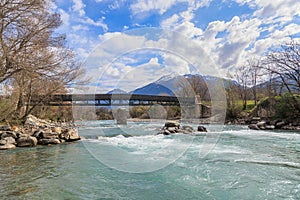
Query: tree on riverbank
284,63
33,57
279,75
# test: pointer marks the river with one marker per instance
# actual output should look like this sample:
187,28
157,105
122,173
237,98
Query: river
236,163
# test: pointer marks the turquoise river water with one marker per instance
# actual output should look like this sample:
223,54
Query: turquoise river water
236,163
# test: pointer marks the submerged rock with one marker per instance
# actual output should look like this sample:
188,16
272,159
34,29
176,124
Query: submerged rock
188,129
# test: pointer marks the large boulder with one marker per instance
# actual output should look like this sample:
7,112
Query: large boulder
36,122
7,140
48,134
7,146
172,124
7,143
57,130
279,124
69,135
26,141
8,134
262,125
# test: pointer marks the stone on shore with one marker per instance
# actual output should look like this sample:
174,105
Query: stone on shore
36,131
49,141
7,143
8,134
7,146
279,124
5,128
69,135
26,141
253,127
34,121
262,125
48,134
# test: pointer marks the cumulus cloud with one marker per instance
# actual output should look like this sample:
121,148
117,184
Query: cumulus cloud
222,44
161,6
146,5
78,6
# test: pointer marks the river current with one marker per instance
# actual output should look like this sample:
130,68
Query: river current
132,162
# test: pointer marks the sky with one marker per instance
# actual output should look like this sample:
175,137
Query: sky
129,43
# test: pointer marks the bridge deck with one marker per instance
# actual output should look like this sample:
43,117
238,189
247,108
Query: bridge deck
111,100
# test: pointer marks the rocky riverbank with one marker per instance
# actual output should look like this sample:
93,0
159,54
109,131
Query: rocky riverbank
257,123
36,132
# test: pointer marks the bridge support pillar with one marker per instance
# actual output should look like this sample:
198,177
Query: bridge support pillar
121,116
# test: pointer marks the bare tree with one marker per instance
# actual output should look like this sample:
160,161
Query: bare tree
242,76
284,63
33,57
254,74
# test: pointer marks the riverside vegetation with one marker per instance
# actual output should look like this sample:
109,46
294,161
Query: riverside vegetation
34,63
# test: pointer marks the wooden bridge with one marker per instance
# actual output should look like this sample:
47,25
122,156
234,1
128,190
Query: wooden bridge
111,100
192,106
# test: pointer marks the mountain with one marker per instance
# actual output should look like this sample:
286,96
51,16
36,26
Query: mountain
154,89
168,85
117,91
276,84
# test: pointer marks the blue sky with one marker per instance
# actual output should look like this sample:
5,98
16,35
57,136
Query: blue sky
120,51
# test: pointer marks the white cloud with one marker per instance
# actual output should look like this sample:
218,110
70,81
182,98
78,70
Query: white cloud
80,28
288,30
78,6
161,6
175,64
99,23
170,22
146,5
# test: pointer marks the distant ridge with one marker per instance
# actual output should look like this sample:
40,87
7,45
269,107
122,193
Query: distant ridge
154,89
117,91
168,85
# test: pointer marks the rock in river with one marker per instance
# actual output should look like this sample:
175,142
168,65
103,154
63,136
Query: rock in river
201,129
